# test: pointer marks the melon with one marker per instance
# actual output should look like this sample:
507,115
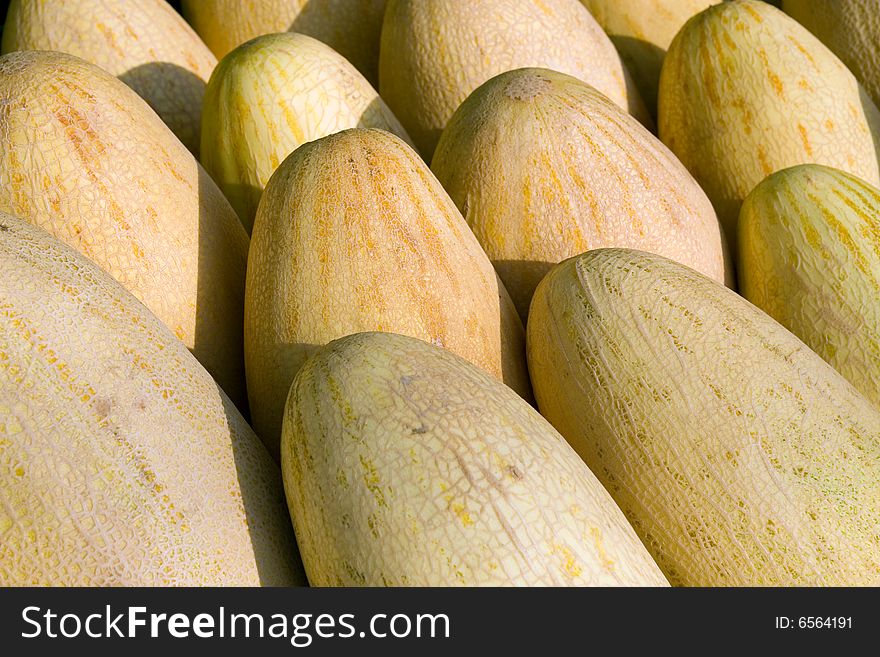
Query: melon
121,460
351,27
740,457
434,54
85,158
354,234
544,167
642,30
850,29
810,258
272,94
405,465
143,42
746,91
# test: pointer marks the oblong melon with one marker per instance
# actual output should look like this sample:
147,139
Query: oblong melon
354,234
406,465
86,159
810,258
143,42
544,167
351,27
271,95
739,456
746,91
434,54
121,461
642,30
850,29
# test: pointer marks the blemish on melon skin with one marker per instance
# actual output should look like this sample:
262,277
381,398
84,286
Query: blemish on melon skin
102,406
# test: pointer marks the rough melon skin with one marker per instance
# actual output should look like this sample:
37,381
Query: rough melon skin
642,30
143,42
434,54
739,456
810,258
405,465
746,91
271,95
544,167
86,159
850,29
353,234
121,461
351,27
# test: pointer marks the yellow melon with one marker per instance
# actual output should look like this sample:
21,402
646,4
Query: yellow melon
746,91
353,234
86,159
544,167
272,94
143,42
121,461
642,30
351,27
434,54
850,29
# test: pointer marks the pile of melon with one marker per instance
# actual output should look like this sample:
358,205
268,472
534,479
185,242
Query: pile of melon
440,292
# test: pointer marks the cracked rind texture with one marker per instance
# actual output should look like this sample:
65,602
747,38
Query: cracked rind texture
434,54
405,465
746,91
351,27
850,29
84,157
739,456
810,258
544,167
355,234
121,461
143,42
642,30
269,96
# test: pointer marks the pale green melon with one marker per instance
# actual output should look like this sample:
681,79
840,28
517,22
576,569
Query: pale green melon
810,258
739,456
406,465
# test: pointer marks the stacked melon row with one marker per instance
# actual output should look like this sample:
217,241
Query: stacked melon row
388,325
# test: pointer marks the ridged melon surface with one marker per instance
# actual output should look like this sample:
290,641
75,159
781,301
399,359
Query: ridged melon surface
85,158
351,27
271,95
121,461
642,30
406,465
143,42
544,167
746,91
850,29
434,54
810,258
354,234
739,456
